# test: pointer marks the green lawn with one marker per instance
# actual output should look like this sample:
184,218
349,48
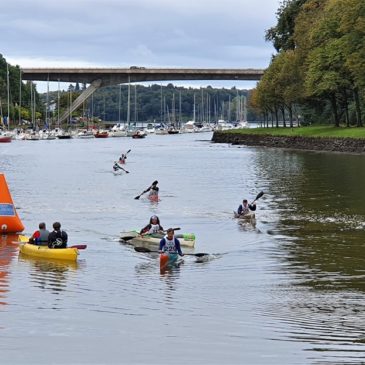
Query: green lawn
310,131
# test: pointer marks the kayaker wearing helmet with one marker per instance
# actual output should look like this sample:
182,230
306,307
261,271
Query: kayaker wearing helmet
170,244
245,208
57,238
153,227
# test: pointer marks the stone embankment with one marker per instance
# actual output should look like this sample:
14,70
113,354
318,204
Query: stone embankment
347,145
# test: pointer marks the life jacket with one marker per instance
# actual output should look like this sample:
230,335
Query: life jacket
170,245
57,239
244,210
154,228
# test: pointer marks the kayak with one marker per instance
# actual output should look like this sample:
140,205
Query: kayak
186,239
247,217
169,260
45,252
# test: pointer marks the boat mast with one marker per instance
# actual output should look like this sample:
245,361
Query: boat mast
129,103
8,92
20,96
120,102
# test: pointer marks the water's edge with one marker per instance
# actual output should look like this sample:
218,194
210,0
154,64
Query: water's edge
345,145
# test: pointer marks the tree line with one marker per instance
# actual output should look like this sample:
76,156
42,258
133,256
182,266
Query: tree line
318,73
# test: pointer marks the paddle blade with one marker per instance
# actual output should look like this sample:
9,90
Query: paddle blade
137,197
79,247
143,249
128,151
259,195
200,254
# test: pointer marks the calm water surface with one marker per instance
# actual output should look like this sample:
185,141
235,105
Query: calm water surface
287,290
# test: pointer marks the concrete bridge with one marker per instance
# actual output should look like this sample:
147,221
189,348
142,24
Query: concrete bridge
100,77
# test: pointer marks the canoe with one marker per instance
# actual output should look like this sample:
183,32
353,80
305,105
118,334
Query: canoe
9,220
133,237
169,260
247,217
69,254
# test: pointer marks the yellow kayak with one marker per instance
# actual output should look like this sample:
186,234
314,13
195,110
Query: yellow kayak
28,249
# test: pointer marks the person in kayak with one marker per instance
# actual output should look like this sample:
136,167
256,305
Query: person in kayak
245,208
153,189
122,159
40,237
57,238
170,244
153,227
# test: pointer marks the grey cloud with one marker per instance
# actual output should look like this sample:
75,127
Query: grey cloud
199,33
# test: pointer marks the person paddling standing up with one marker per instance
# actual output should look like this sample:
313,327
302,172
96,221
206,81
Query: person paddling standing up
153,227
245,208
57,238
169,244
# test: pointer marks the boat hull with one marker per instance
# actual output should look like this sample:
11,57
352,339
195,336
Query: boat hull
4,139
246,217
133,237
169,260
67,254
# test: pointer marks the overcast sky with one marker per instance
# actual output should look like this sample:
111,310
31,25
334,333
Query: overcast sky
149,33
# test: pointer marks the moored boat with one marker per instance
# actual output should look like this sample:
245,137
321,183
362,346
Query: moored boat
133,237
5,137
101,134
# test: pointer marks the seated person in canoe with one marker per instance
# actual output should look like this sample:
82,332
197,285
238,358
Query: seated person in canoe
170,244
245,208
40,237
153,227
57,238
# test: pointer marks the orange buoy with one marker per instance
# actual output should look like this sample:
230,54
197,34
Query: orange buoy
9,220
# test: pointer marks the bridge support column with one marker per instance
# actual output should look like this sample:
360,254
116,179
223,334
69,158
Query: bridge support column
80,99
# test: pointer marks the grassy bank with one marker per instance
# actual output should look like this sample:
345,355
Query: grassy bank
310,131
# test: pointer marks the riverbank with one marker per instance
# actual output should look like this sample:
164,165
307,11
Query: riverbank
347,140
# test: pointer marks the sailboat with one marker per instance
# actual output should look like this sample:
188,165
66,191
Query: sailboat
5,136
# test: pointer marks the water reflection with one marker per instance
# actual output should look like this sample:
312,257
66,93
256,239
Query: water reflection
321,249
48,274
8,250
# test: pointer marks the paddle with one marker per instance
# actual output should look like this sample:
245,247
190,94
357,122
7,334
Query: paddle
118,167
79,247
145,249
148,189
258,196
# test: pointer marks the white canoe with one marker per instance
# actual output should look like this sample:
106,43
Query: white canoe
133,237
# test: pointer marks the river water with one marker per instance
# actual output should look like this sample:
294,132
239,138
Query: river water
289,289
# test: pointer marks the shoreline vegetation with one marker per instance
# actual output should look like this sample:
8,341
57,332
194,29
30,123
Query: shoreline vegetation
315,138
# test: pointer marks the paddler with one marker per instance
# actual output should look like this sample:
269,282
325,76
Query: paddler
153,227
40,237
170,244
57,238
245,208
